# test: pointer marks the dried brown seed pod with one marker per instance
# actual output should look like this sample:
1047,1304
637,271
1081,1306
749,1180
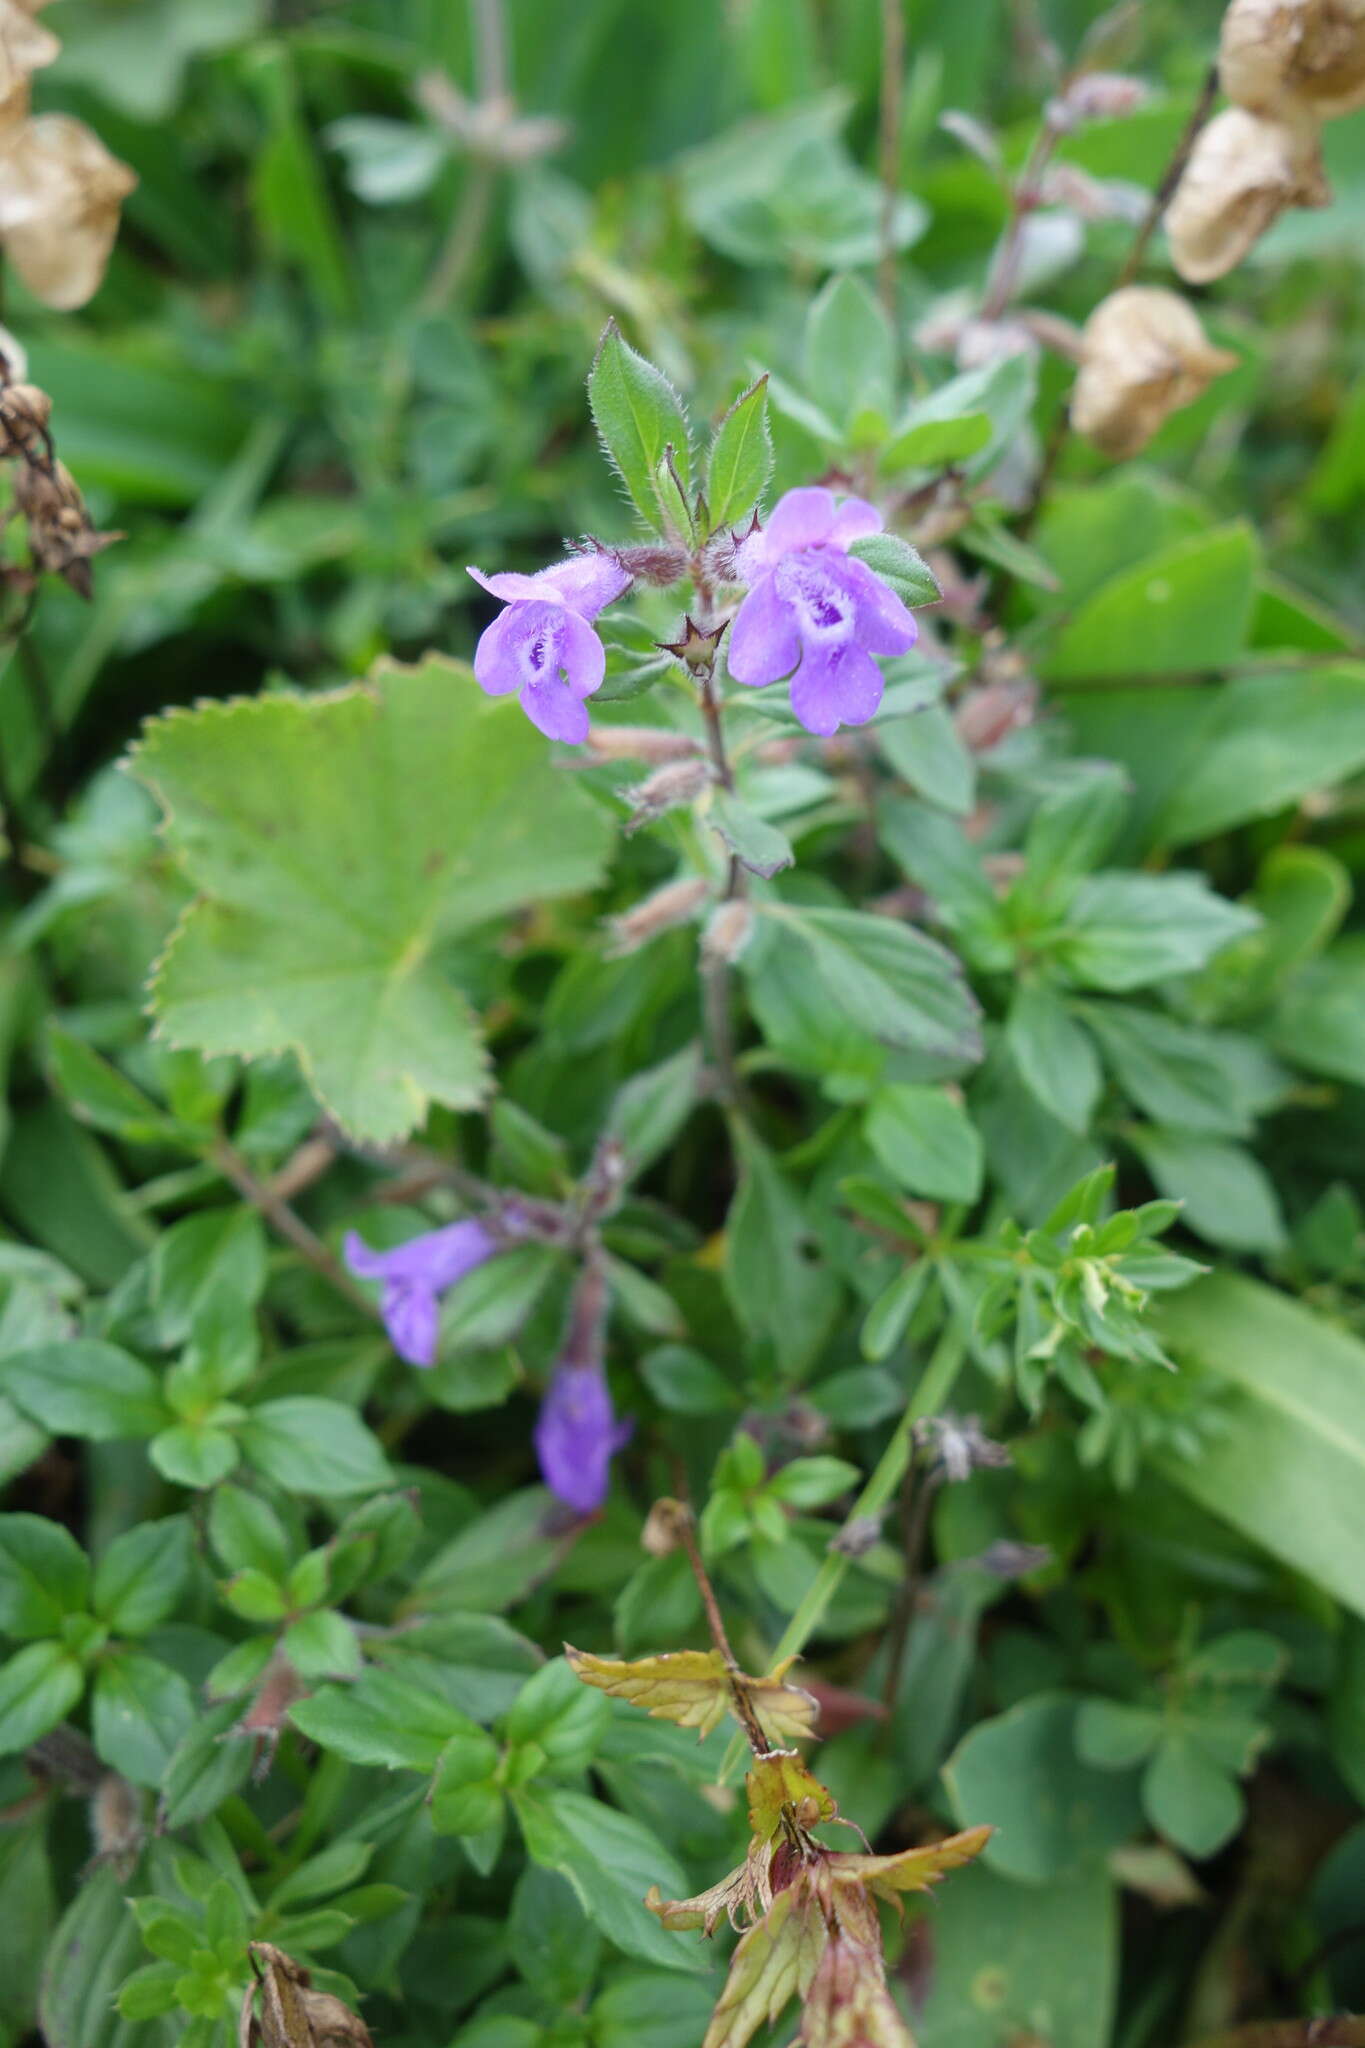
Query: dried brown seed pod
1294,56
1244,170
60,536
60,195
24,413
24,49
1143,356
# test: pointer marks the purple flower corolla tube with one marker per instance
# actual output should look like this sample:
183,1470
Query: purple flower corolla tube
577,1435
543,647
814,608
415,1276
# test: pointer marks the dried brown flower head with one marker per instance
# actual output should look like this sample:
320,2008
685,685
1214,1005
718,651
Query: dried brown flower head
1294,56
60,194
24,414
24,49
1243,172
1144,355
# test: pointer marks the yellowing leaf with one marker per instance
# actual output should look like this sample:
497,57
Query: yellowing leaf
732,1898
696,1688
780,1785
910,1870
848,2004
774,1960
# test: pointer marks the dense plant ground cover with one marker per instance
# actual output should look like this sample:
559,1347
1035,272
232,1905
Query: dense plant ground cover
772,1083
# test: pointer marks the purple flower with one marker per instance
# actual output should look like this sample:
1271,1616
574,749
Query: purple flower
543,646
415,1275
815,608
576,1436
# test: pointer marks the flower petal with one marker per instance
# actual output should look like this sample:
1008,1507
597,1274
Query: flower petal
434,1258
885,624
553,708
576,1435
412,1318
582,657
508,584
841,687
800,519
764,644
854,519
523,646
585,582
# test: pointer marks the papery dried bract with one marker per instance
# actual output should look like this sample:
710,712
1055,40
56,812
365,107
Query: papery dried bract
1294,56
60,536
1244,171
280,2008
60,195
1144,355
696,1689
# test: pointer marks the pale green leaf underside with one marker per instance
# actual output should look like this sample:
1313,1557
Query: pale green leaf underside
337,841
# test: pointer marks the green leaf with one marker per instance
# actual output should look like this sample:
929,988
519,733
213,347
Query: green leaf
1128,930
1052,1811
39,1685
1114,1735
310,1445
755,843
1182,1076
1017,1958
95,1948
141,1576
382,1719
1054,1054
611,1860
639,417
555,1946
945,426
246,1532
778,1285
1287,1467
142,1710
849,351
889,1315
647,1114
495,1561
28,1912
1227,1195
1189,1800
1272,739
206,1766
341,1864
288,190
927,1140
926,751
85,1388
44,1576
897,984
741,458
1185,610
1318,1021
1075,826
194,1454
322,1645
338,843
100,1095
901,567
686,1383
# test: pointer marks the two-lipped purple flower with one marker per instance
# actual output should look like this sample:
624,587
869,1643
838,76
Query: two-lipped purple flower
577,1433
543,646
814,609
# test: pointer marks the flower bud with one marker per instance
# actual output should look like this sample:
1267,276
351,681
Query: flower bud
638,743
116,1825
1243,172
667,789
1294,56
728,933
1101,96
674,904
1144,355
